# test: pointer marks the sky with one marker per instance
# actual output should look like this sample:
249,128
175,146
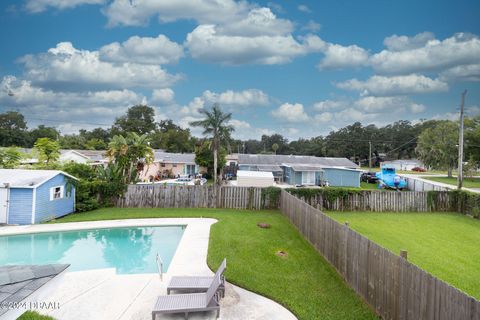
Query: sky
298,68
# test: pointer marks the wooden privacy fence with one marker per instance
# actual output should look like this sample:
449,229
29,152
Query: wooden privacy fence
381,201
161,196
394,287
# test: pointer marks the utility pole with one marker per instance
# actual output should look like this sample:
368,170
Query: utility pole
370,155
460,144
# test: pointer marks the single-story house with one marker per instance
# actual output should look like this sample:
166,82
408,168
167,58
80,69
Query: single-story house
33,196
404,164
304,170
170,165
254,179
92,157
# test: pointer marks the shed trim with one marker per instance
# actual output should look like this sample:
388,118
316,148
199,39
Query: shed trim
34,204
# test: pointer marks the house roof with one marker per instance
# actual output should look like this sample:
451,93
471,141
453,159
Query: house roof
264,159
21,178
187,158
302,167
271,168
17,282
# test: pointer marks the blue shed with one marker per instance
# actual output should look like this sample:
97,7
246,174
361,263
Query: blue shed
342,177
34,196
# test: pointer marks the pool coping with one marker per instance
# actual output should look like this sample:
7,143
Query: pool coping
190,258
195,229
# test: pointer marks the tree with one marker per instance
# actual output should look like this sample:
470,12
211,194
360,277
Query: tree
171,138
275,147
472,138
72,141
437,146
139,119
47,149
95,144
10,157
204,156
13,129
215,124
130,153
43,131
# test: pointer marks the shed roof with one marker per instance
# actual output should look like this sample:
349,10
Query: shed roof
22,178
17,282
254,174
264,159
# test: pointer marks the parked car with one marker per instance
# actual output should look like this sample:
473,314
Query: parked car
419,169
369,177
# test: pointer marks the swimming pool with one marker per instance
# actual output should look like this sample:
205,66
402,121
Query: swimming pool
129,250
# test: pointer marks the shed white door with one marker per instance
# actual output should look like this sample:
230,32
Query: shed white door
3,205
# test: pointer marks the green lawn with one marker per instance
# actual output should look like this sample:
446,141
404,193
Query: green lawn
446,245
369,186
33,315
467,182
303,281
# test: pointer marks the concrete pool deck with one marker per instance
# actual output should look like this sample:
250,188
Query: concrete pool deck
103,294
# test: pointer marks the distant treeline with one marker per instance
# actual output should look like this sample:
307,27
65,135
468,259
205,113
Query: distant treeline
397,140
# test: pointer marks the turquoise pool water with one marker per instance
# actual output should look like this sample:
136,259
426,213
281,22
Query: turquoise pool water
129,250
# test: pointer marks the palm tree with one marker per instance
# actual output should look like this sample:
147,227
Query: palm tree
216,126
129,152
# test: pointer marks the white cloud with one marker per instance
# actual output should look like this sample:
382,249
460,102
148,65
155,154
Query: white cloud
69,68
290,113
81,109
416,108
304,8
387,104
122,12
312,26
35,6
324,117
398,85
435,55
259,21
402,43
329,105
206,44
239,124
230,98
146,50
163,96
338,57
469,72
292,131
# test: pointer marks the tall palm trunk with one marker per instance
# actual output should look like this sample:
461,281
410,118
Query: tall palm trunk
215,160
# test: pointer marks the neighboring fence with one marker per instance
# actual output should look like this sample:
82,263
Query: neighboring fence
394,287
418,184
160,196
381,201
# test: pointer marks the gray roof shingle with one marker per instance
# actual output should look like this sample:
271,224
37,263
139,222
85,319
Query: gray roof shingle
266,159
19,281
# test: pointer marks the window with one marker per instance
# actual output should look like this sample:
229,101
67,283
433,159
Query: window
162,165
308,177
56,193
174,165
